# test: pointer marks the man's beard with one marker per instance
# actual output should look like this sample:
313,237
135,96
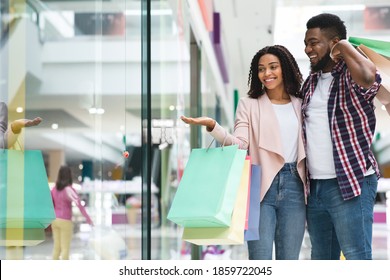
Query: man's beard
322,63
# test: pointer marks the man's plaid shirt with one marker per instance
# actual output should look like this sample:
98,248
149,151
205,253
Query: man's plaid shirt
352,125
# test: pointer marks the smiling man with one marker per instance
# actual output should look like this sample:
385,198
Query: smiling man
339,123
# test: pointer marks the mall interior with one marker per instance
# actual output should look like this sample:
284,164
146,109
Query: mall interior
114,76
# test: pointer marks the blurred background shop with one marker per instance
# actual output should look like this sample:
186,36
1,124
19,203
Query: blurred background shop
107,78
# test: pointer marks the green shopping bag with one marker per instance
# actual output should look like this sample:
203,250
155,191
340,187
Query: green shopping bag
25,200
381,47
208,189
232,235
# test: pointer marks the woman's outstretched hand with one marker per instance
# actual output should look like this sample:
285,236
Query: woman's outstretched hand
209,123
17,125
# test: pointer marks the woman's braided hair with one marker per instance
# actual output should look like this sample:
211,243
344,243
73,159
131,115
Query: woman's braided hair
292,76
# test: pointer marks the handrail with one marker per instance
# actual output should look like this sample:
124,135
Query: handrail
39,7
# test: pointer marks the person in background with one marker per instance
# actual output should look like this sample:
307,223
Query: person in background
10,133
63,195
339,124
268,125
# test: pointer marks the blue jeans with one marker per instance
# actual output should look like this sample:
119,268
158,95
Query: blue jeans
282,218
336,225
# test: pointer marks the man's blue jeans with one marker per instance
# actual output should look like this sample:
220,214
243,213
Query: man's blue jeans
282,218
336,225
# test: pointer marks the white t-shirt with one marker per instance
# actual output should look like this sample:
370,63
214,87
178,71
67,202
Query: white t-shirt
319,142
319,153
289,128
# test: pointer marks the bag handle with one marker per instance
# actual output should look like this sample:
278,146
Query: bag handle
210,145
20,146
223,144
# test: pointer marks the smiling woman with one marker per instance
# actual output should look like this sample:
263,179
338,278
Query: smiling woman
270,117
270,75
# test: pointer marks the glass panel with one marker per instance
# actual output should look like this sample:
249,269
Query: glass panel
76,64
170,91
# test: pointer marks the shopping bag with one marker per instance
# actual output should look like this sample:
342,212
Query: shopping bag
108,244
248,198
252,232
21,236
232,235
208,189
25,200
381,47
383,66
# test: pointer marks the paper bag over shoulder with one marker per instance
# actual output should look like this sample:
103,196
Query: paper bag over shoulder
383,66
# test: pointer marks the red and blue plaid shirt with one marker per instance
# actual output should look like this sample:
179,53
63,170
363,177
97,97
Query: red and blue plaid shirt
352,125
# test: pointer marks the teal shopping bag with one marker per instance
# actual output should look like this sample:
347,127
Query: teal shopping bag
25,200
381,47
208,189
232,235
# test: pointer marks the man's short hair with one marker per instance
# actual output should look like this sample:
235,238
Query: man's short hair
330,24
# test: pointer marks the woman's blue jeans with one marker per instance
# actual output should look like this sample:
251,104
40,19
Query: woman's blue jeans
282,218
336,225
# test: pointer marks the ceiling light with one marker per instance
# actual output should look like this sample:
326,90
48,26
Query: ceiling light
92,110
19,109
100,111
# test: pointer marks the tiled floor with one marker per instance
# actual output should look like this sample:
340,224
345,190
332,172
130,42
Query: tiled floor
124,241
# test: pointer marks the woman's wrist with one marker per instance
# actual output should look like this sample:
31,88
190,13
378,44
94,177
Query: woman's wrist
15,130
211,127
